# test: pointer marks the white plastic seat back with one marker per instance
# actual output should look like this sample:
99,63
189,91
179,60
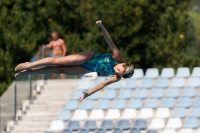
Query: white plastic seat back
145,113
157,123
174,123
96,114
90,76
112,114
56,125
186,130
129,114
162,113
80,115
169,131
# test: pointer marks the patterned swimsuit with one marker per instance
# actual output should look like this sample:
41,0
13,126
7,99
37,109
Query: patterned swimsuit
103,63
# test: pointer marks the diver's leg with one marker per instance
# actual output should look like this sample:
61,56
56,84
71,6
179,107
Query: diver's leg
70,70
73,59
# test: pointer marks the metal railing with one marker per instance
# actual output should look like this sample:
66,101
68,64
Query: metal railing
23,88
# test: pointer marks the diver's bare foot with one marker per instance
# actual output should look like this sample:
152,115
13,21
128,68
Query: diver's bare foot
22,66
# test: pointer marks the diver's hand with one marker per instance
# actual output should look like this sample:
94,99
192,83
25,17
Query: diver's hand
99,23
80,99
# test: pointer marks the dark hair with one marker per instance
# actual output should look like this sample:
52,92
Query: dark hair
54,32
129,71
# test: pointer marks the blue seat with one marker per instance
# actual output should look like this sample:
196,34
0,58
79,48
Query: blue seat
138,73
196,72
189,92
184,102
107,125
84,131
194,82
152,73
123,125
147,83
195,112
179,112
87,104
183,72
168,102
100,131
197,102
157,93
134,130
125,94
71,105
66,131
109,94
76,94
118,131
130,84
151,103
152,131
162,83
178,82
119,104
173,92
64,115
103,104
115,85
140,124
94,96
167,73
73,125
191,122
84,85
90,125
135,103
141,93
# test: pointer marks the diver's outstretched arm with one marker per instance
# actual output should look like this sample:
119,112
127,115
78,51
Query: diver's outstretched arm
115,50
100,86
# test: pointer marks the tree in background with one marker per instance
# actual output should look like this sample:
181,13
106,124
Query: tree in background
148,33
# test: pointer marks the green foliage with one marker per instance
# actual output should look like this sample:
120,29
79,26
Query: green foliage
148,33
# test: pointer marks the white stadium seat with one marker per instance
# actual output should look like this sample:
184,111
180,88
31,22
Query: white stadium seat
152,73
145,113
174,123
169,131
157,123
112,114
186,130
96,114
162,113
90,76
80,115
183,72
56,125
129,113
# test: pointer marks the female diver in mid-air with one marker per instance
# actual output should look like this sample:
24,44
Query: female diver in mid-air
82,63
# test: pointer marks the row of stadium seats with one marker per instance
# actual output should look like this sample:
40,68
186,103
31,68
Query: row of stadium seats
139,124
129,113
137,103
141,93
146,83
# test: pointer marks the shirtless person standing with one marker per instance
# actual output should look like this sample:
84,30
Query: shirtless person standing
58,47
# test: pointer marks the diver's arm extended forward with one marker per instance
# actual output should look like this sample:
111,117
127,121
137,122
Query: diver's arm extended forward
116,52
100,86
